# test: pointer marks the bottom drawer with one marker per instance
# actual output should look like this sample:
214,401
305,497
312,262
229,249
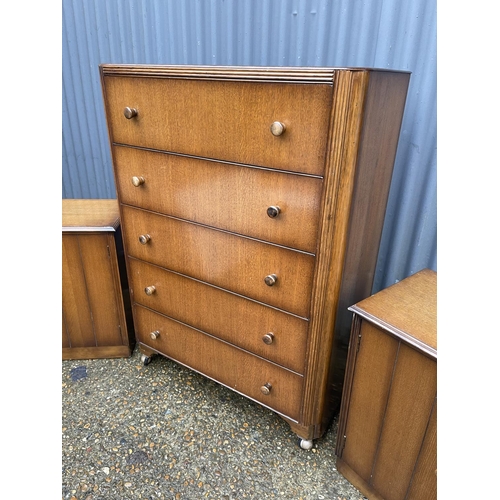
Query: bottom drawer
232,367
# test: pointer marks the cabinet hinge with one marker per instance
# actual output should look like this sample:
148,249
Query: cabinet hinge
359,342
109,252
343,445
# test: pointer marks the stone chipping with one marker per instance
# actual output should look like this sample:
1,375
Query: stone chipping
162,431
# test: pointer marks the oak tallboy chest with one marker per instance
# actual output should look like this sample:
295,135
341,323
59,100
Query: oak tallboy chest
252,201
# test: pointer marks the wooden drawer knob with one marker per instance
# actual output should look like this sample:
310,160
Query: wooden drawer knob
273,211
277,128
270,279
129,113
268,338
154,335
149,290
144,239
266,389
138,181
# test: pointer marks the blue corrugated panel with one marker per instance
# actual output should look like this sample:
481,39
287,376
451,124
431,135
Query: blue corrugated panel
379,33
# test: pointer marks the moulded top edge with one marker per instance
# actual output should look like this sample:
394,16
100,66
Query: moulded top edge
294,73
417,342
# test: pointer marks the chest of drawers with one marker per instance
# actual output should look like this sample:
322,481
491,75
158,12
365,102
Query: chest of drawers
387,435
252,202
96,319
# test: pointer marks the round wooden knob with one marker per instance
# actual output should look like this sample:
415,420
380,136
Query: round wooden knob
277,128
138,181
266,389
144,239
273,211
149,290
270,279
129,113
268,338
154,335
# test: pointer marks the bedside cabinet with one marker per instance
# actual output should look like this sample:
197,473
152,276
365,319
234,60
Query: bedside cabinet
387,435
94,295
252,201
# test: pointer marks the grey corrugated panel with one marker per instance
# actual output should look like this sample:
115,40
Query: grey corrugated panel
380,33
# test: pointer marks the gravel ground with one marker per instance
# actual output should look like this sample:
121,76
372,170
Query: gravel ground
161,431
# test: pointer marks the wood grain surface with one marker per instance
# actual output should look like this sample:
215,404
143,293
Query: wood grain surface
223,195
223,314
202,141
223,259
221,361
95,215
387,438
226,121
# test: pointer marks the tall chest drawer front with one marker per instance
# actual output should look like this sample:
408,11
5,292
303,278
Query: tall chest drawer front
224,120
222,195
223,259
220,361
264,331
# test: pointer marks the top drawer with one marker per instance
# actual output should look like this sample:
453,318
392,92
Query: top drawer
222,195
223,120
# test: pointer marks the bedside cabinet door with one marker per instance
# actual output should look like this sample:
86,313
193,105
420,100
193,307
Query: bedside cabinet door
391,411
77,318
90,291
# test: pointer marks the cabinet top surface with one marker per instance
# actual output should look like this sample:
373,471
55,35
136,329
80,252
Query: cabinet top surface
407,308
86,215
286,73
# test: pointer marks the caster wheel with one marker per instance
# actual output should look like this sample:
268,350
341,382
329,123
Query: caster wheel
145,359
305,444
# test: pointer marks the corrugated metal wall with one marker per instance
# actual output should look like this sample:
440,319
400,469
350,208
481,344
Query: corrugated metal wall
379,33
